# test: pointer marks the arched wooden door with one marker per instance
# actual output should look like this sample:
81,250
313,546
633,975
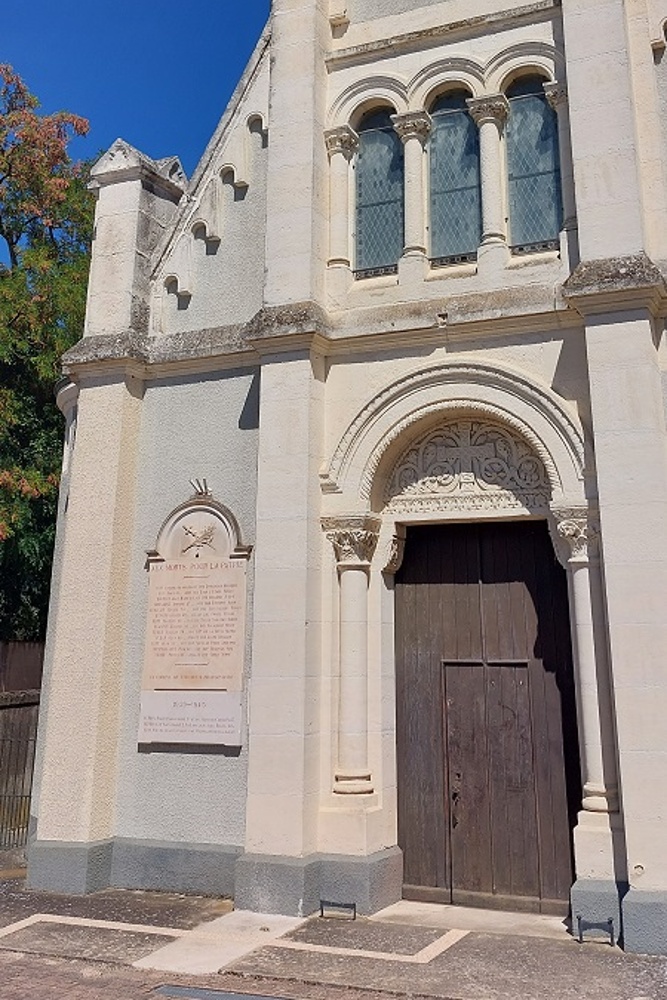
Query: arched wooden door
488,761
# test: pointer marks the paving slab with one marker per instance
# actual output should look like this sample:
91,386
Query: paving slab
97,944
163,909
365,935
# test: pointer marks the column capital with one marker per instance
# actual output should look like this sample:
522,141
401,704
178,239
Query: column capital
342,139
578,531
354,538
492,108
556,94
413,125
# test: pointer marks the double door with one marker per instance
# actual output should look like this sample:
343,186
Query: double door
488,765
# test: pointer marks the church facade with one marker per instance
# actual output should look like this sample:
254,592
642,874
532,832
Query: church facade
361,566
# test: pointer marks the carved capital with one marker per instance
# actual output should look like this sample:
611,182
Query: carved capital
354,538
494,108
556,94
413,125
576,532
342,139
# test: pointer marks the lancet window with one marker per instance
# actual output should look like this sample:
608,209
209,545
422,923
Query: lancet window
379,182
455,200
533,168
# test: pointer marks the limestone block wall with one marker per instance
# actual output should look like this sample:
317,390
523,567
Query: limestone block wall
191,427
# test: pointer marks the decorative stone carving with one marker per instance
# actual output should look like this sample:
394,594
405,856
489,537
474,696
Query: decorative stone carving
395,552
576,529
489,109
556,94
413,125
354,538
342,139
469,464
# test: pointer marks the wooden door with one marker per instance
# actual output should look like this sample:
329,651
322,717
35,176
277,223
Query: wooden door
487,754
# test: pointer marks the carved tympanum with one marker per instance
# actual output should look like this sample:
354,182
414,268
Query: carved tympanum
469,464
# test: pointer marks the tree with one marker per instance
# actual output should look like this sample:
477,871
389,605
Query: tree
46,217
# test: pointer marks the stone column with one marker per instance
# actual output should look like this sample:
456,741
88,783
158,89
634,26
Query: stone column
414,129
354,540
490,115
341,144
556,94
596,732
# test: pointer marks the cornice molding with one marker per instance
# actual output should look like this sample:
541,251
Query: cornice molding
435,35
634,281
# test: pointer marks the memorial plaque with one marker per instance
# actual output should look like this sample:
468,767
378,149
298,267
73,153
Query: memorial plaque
196,625
208,717
195,628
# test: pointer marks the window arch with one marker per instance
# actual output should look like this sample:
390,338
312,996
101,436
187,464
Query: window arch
455,199
379,202
533,167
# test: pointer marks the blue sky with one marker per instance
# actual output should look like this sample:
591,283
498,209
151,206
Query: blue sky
157,74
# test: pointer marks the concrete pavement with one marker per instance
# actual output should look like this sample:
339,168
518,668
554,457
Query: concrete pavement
121,944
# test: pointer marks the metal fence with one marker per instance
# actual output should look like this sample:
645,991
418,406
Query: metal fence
18,731
20,677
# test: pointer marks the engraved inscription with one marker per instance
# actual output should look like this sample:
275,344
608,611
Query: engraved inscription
196,625
212,717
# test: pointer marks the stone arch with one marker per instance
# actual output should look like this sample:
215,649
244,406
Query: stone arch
522,58
364,94
441,75
420,402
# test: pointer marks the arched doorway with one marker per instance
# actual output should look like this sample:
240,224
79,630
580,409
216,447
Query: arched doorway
487,752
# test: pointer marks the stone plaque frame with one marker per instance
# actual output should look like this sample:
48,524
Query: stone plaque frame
192,682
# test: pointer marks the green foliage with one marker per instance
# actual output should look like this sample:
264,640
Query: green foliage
46,219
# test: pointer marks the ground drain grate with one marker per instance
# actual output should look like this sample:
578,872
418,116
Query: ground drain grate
197,993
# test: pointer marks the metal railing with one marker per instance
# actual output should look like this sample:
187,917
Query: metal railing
18,731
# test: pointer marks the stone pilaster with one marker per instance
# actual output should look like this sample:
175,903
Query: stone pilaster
342,143
578,535
354,540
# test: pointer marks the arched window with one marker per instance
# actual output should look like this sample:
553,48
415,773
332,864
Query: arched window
533,167
455,195
379,195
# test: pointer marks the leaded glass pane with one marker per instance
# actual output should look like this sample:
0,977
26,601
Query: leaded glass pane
456,204
534,171
379,190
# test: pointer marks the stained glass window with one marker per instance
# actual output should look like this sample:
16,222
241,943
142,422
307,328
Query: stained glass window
455,195
533,166
379,194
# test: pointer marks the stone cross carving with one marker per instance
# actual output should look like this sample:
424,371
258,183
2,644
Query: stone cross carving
466,452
